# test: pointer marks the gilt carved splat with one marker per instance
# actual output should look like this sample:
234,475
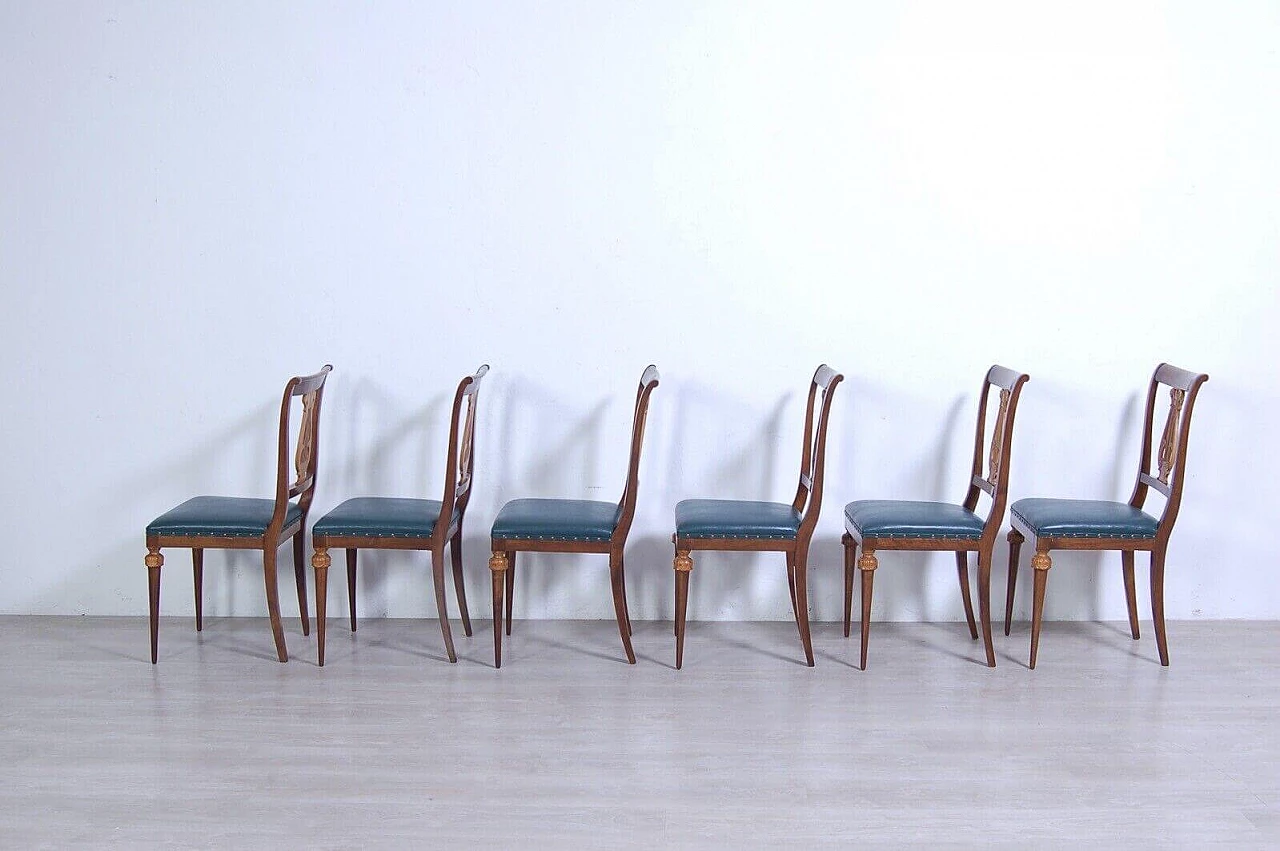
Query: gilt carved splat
1169,440
302,457
997,440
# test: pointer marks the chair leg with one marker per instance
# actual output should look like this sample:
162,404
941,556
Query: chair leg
626,607
984,603
802,604
351,585
850,551
1130,592
620,605
320,562
1157,603
1015,546
683,567
273,597
1040,562
791,587
962,569
510,581
867,563
498,567
300,576
459,584
197,570
154,561
442,608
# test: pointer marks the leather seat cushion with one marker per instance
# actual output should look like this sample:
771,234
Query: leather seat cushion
221,517
889,518
732,518
556,520
1084,518
381,517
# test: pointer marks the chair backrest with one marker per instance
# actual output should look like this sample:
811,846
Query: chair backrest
813,454
994,480
1171,456
627,505
301,482
462,449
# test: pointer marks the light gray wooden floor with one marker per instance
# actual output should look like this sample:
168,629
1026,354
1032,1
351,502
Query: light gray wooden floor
567,746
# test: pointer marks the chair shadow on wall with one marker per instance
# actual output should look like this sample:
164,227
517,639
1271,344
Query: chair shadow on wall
249,440
1087,573
399,438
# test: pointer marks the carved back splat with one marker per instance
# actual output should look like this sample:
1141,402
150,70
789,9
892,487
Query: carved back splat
1169,439
306,437
996,456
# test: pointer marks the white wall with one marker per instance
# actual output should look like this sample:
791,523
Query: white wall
199,200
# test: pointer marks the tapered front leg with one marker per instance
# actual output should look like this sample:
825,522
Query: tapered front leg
197,573
867,564
683,565
498,567
320,562
154,561
802,604
1130,592
1040,563
352,556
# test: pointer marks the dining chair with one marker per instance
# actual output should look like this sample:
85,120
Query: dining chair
237,523
941,526
398,523
1088,524
571,526
748,525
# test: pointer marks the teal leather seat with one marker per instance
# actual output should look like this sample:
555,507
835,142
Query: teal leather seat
221,517
1084,518
733,518
556,520
891,518
381,517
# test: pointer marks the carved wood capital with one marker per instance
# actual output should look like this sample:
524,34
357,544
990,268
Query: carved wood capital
683,563
153,558
1041,561
321,560
867,561
498,563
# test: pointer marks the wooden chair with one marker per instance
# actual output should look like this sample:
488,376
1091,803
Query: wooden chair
941,526
571,526
1080,524
728,524
234,523
391,523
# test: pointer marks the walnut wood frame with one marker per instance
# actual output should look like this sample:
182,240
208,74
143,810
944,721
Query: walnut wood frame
311,389
808,501
1170,459
503,562
995,484
448,528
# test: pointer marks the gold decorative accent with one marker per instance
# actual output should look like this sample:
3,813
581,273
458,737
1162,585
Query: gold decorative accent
1041,561
498,564
153,558
867,561
321,559
683,564
302,458
1169,440
997,440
